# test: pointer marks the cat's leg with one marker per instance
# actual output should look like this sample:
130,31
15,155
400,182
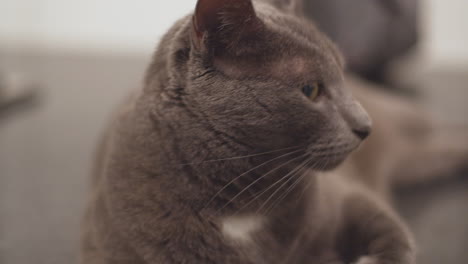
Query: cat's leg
159,229
376,233
170,236
368,260
330,258
326,257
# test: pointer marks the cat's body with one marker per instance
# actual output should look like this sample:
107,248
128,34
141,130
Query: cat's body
217,161
318,223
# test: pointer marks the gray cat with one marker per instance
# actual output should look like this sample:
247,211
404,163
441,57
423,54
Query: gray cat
220,157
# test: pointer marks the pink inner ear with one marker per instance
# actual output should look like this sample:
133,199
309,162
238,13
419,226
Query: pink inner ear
209,14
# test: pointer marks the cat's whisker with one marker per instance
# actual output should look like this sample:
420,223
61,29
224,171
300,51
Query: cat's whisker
261,193
325,151
240,157
291,173
317,147
329,150
321,165
325,164
332,151
323,147
254,168
289,190
260,178
306,188
329,145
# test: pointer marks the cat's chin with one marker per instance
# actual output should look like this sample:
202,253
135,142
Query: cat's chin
329,163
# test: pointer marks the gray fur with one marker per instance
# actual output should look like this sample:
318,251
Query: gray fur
169,171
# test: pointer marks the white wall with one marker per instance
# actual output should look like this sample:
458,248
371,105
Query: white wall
446,29
104,25
135,26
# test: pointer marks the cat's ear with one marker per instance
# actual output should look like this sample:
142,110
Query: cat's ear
223,22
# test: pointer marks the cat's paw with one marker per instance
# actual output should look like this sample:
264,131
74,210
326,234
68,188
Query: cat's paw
374,260
367,260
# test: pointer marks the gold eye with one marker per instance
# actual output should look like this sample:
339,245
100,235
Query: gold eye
312,91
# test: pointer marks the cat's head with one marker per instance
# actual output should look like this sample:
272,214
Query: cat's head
271,80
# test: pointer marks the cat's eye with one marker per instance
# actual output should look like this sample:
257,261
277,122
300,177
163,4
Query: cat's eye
312,91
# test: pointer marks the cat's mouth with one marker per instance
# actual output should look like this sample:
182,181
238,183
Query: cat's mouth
330,157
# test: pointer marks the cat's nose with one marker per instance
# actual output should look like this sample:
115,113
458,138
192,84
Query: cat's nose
357,119
363,133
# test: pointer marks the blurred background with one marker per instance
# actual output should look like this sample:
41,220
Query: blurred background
64,65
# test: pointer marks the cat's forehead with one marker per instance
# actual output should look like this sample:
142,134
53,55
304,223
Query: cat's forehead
286,48
306,68
294,66
298,48
300,68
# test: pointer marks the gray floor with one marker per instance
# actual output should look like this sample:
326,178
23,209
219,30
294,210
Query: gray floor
46,148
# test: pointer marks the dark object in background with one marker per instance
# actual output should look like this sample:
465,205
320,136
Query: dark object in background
370,33
16,92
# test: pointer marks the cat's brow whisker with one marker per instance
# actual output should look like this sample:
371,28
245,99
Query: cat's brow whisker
254,168
291,173
240,157
260,178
